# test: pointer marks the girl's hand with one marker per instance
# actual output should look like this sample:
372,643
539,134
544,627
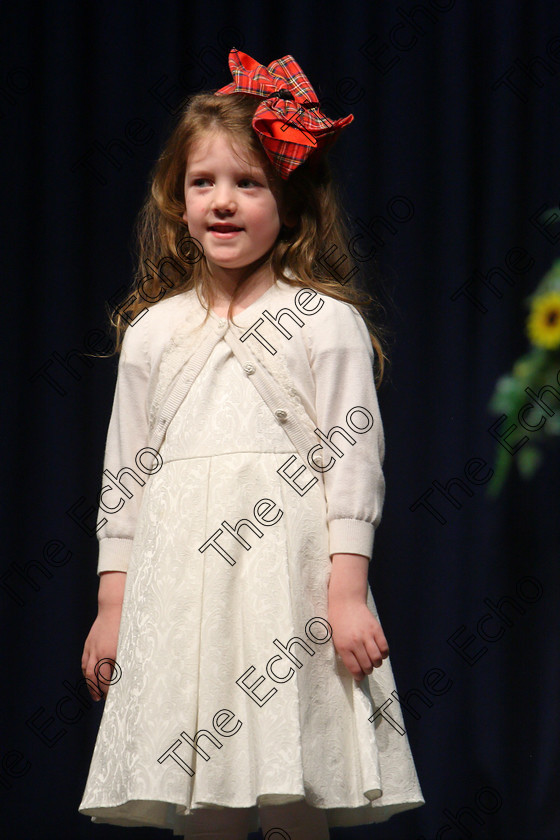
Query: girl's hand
357,636
101,644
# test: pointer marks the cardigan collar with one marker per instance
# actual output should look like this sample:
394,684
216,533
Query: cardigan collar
187,338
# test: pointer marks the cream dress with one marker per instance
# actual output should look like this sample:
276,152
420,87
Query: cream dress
234,641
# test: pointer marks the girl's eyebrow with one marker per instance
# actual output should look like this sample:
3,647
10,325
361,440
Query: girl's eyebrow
199,173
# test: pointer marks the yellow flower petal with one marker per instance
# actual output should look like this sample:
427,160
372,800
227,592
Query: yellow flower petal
543,323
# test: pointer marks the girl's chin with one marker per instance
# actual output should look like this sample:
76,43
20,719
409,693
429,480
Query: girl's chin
233,272
235,264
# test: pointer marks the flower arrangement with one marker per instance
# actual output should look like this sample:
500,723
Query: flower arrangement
515,392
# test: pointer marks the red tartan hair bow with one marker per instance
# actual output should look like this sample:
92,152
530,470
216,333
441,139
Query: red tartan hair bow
288,122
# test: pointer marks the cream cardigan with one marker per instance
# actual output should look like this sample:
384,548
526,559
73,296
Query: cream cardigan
310,357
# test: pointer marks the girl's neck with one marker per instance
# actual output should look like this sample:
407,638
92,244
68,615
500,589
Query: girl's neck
255,286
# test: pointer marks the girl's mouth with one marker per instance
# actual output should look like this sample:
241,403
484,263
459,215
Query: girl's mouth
224,231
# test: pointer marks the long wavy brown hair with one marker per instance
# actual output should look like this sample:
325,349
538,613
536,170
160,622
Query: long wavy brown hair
309,195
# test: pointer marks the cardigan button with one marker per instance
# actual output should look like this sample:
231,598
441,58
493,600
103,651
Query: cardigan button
248,367
222,322
281,414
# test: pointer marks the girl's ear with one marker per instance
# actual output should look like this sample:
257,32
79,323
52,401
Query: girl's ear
289,219
184,217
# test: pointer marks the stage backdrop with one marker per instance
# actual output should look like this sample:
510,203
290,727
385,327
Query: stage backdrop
446,172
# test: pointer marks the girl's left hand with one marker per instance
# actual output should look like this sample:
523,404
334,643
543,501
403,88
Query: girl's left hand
357,636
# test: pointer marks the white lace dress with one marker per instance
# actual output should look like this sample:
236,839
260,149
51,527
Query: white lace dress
225,634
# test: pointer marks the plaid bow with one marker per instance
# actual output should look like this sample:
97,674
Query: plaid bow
288,122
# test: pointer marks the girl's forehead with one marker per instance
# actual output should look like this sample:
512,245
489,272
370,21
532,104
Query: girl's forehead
215,143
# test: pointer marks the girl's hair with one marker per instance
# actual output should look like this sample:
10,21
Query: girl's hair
318,239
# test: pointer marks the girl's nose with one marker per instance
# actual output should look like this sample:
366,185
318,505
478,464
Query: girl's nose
223,198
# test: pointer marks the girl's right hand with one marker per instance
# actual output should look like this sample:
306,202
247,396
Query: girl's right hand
101,644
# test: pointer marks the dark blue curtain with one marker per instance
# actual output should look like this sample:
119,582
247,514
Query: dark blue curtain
446,170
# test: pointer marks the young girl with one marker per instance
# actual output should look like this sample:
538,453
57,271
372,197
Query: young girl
242,487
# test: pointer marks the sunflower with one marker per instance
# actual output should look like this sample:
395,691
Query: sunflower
543,324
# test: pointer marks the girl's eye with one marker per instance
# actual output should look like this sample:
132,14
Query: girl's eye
198,182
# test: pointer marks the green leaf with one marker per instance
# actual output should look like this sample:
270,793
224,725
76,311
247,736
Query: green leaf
507,395
501,470
552,425
528,460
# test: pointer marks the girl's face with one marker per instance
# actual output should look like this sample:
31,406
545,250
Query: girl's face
229,205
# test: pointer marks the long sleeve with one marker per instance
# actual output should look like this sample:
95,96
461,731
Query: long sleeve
341,358
124,470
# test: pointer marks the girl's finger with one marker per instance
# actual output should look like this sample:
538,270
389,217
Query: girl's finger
364,660
381,642
375,654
